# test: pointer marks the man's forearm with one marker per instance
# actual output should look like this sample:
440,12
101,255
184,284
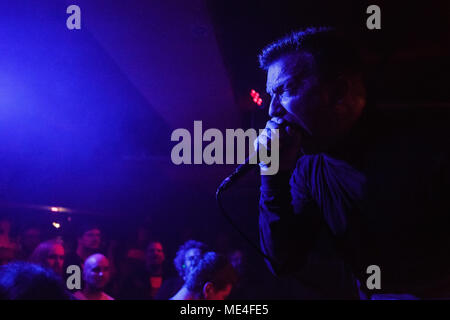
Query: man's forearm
285,236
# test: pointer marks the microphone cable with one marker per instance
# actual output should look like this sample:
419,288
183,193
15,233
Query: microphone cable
227,217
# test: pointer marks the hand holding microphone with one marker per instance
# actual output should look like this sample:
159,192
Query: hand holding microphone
289,138
282,134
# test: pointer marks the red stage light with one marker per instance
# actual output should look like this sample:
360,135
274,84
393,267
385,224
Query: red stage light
256,98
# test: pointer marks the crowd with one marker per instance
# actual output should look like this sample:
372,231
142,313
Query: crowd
36,268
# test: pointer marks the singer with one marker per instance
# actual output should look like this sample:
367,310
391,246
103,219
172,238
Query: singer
356,186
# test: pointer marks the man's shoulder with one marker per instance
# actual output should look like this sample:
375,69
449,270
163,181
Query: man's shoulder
306,163
306,168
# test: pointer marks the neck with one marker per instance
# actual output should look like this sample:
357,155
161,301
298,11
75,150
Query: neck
92,293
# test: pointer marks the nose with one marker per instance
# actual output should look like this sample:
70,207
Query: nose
275,108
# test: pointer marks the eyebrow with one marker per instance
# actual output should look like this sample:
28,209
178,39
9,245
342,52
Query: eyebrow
294,78
276,88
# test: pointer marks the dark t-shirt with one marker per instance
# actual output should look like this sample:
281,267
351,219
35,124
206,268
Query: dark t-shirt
379,197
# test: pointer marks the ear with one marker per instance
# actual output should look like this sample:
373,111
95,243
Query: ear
350,94
208,289
342,89
335,92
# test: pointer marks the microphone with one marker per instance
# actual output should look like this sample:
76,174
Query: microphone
240,171
244,168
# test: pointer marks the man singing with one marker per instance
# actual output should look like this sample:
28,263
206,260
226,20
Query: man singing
356,187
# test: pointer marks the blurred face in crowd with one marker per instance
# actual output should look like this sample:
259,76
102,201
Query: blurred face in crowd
31,238
55,258
210,292
90,239
237,260
191,259
96,271
155,254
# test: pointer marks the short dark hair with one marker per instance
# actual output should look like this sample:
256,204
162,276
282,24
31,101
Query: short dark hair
333,52
27,281
214,268
85,227
181,254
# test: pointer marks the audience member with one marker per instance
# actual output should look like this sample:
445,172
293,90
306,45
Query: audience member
27,281
88,243
155,259
49,254
212,279
186,259
96,276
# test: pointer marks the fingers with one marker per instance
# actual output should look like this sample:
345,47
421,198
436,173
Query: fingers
278,120
276,126
271,129
261,140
